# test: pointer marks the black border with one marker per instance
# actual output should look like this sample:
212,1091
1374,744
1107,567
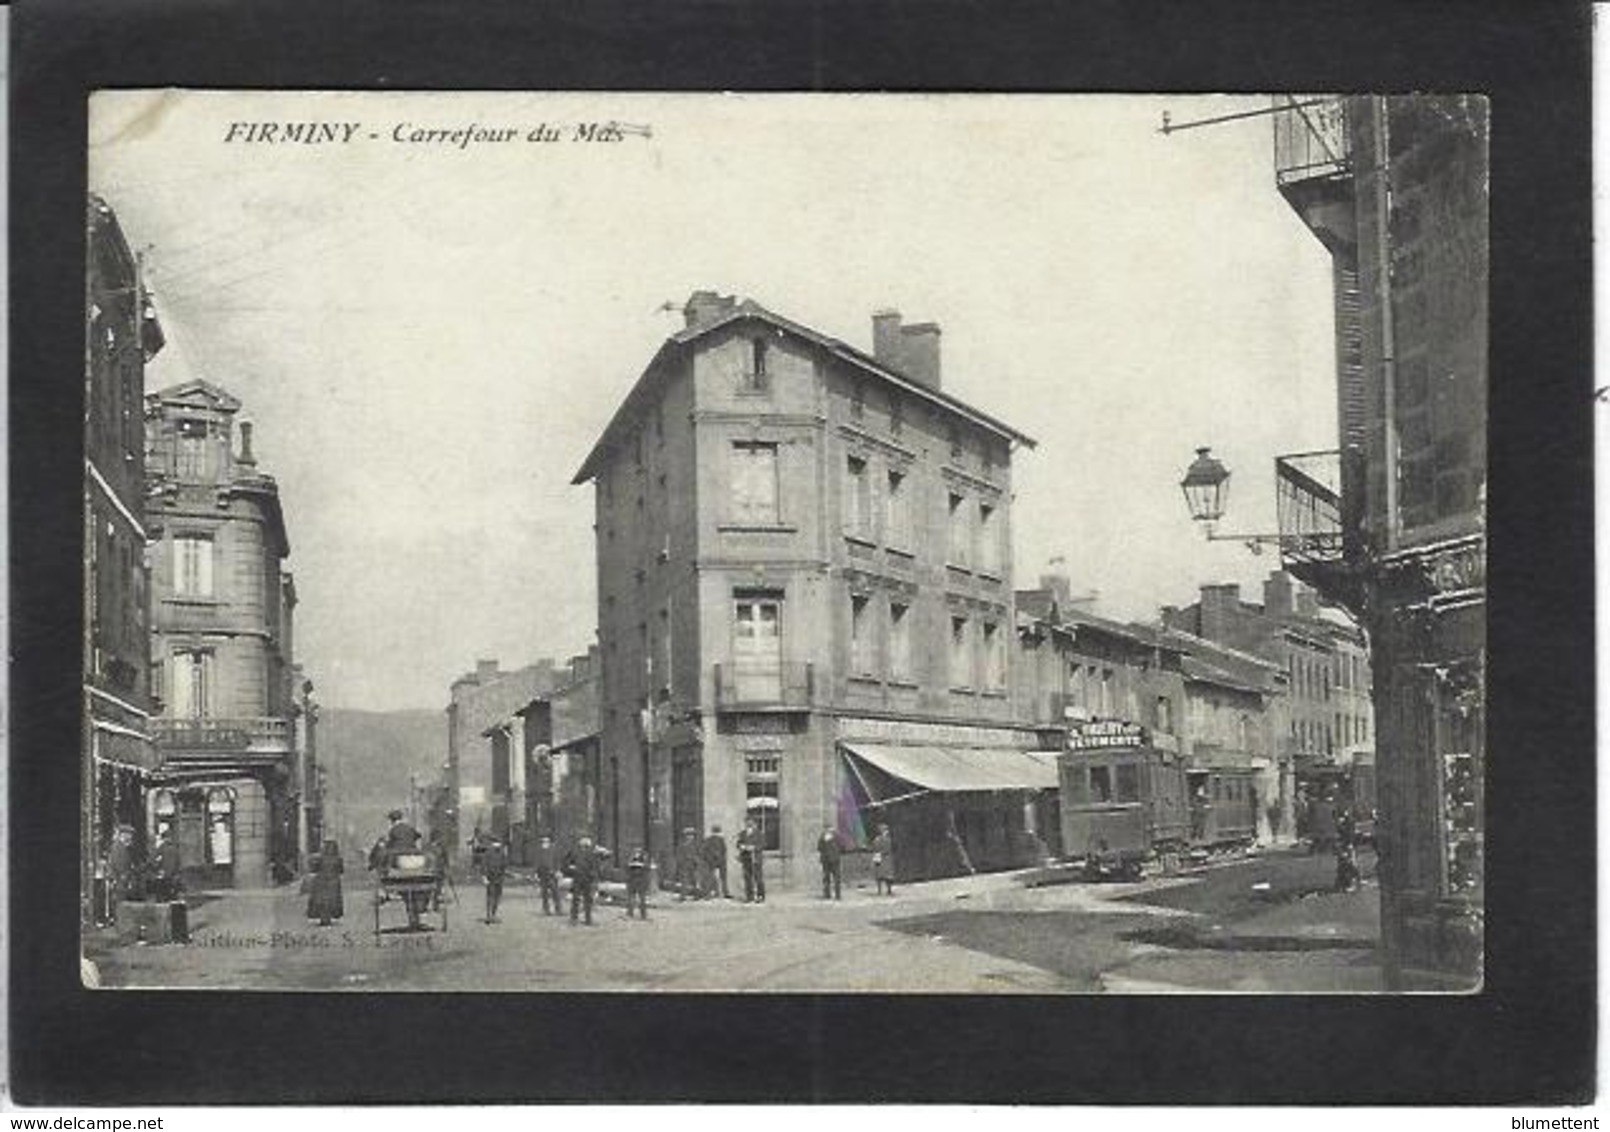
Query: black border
1528,1037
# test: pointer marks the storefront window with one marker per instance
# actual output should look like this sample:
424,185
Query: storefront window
763,804
221,827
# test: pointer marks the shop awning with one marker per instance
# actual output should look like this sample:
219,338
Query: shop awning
961,769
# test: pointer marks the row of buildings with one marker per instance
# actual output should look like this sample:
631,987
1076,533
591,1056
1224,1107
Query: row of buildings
806,611
807,620
198,723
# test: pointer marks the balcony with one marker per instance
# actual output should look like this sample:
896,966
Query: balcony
256,733
1313,164
1317,506
1310,139
779,686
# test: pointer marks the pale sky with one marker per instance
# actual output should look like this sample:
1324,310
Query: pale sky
429,338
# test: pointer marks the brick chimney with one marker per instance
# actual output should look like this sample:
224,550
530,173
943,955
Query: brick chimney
1221,606
1307,603
886,338
909,350
706,306
246,458
486,671
919,347
1277,594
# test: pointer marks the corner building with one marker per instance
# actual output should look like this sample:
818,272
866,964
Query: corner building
229,787
805,608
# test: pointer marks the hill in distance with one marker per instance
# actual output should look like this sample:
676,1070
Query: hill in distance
367,758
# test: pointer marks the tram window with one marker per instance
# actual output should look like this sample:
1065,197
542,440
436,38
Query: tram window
1078,785
1100,784
1128,783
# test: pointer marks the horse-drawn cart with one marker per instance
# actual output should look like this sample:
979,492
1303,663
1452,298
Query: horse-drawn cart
414,879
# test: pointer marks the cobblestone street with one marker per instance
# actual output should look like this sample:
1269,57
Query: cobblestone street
1262,923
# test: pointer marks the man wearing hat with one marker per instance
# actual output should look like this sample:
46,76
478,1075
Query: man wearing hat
494,865
583,872
714,851
401,836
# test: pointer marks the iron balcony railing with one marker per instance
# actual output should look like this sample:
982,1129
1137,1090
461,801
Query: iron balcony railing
221,734
1317,505
1310,138
761,686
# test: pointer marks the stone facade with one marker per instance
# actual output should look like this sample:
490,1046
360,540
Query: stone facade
117,759
220,657
790,531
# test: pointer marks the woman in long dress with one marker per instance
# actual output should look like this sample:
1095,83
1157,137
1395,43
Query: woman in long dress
324,902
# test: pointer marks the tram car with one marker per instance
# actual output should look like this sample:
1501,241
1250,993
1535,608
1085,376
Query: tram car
1124,809
1323,790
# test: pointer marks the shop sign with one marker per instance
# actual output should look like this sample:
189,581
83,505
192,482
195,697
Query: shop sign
1103,733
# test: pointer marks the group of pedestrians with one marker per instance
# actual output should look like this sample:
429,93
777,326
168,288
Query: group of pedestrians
701,866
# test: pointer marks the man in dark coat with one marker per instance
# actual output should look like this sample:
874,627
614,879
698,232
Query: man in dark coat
547,863
165,882
494,865
637,883
583,871
883,860
751,854
121,865
687,866
401,837
831,854
715,861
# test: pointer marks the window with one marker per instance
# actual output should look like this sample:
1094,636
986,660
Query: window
192,566
1105,703
899,641
165,808
191,462
960,536
897,414
857,498
762,804
757,655
755,378
860,635
190,684
961,667
989,540
955,443
221,826
754,483
1128,782
1165,715
858,398
994,657
897,511
1100,784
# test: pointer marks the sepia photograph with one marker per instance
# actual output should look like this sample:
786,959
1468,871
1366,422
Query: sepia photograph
779,543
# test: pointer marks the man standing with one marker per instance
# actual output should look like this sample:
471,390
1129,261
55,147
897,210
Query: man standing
715,862
831,854
637,883
751,854
687,866
401,837
494,864
583,880
548,875
883,860
165,885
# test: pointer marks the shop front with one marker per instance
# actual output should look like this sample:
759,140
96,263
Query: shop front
950,810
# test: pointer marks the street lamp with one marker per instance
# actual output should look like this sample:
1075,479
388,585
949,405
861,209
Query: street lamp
1207,489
